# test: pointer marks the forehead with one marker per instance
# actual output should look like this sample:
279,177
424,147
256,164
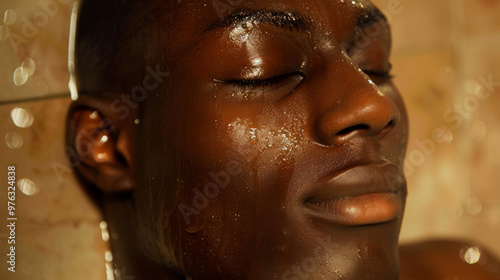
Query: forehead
188,21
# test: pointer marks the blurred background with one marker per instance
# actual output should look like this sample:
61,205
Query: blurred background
446,58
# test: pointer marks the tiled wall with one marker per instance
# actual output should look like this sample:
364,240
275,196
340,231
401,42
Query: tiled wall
57,231
445,55
443,52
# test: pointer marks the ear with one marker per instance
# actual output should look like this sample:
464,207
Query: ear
102,144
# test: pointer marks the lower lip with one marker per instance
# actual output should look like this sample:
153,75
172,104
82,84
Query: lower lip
367,209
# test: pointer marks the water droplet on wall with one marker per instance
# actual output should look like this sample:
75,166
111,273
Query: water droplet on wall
20,76
27,187
13,140
9,17
104,231
470,255
28,66
108,256
21,117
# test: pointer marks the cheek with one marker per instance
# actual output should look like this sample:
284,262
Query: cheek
277,138
229,164
273,135
256,144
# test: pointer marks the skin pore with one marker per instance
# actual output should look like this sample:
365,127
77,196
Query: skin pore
272,147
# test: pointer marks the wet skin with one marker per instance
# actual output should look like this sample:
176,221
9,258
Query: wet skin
274,149
292,109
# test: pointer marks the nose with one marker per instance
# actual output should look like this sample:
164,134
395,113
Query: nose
354,107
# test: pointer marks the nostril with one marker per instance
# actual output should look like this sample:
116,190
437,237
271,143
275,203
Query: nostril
364,127
388,127
391,123
371,117
350,129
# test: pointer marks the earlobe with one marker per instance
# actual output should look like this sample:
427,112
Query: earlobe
96,142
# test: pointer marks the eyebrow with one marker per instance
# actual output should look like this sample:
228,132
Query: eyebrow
289,20
285,20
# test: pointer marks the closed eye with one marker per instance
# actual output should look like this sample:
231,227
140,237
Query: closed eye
262,90
261,83
379,74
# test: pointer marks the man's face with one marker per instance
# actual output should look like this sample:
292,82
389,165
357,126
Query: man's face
275,151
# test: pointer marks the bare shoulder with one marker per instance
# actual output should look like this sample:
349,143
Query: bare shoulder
447,260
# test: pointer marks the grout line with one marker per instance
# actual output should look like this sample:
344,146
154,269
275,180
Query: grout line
32,99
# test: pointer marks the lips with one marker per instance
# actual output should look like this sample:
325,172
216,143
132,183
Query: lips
361,195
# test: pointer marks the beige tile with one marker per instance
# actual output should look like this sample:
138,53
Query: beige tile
426,82
458,178
39,34
481,19
58,234
418,26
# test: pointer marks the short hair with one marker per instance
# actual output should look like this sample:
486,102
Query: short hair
112,38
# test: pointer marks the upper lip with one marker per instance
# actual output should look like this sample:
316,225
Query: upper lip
362,179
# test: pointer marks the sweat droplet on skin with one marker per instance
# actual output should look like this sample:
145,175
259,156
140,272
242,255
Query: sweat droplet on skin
286,138
240,34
